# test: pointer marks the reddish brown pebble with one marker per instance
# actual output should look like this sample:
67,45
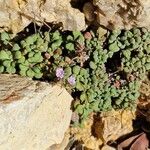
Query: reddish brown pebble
87,36
47,56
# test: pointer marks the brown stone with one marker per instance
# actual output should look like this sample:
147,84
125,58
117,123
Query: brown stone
111,125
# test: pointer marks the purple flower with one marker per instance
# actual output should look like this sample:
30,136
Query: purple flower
71,80
59,73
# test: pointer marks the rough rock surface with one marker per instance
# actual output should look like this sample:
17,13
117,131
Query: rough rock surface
88,10
86,136
111,125
99,129
106,147
33,115
115,14
63,145
17,14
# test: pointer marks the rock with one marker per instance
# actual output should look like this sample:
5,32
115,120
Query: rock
88,10
123,14
143,110
61,146
106,147
33,115
99,129
111,125
85,135
17,14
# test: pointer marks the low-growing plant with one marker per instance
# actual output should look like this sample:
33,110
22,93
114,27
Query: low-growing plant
82,63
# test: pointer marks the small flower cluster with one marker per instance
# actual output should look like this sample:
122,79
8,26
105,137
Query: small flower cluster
60,75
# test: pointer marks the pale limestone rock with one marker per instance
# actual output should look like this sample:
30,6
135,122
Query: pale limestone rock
15,15
106,147
61,146
123,14
33,115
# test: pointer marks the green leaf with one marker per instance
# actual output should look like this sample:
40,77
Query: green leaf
126,104
112,39
118,101
31,54
55,36
143,60
138,64
129,34
92,65
16,47
21,60
69,38
68,71
79,109
148,59
136,31
22,72
70,46
95,106
4,55
23,43
38,75
110,54
17,55
80,39
114,47
35,36
86,113
29,40
126,69
28,49
10,69
83,97
127,54
23,67
47,36
138,39
5,36
30,73
56,44
131,97
76,34
37,58
147,66
76,70
7,63
116,32
36,69
83,72
79,86
95,57
2,69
